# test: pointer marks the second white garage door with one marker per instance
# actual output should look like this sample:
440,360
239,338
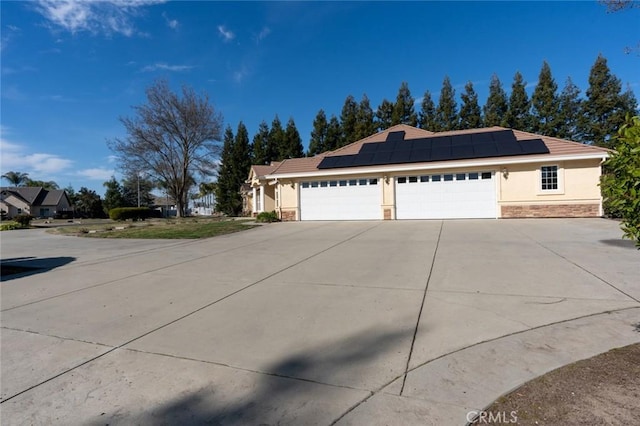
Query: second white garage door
446,196
346,199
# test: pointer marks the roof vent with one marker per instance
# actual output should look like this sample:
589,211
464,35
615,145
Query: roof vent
395,136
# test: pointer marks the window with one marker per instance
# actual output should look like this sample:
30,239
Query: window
353,182
343,183
424,179
324,184
305,184
436,178
549,178
486,175
333,183
448,178
473,176
314,184
413,179
402,180
460,176
362,182
373,181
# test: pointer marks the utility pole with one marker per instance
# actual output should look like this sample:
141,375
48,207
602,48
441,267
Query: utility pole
138,176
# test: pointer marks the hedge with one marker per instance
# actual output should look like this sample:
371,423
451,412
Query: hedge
134,213
267,217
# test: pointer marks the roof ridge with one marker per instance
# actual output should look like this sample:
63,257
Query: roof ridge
593,147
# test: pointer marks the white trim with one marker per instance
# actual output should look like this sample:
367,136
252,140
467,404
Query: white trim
497,161
255,200
261,198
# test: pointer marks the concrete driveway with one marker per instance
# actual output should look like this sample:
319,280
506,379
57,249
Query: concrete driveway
407,322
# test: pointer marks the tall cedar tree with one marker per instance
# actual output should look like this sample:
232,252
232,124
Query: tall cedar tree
292,141
403,110
241,155
470,115
447,110
89,204
427,113
570,109
604,109
318,141
349,120
365,125
227,195
276,142
496,107
172,137
261,153
384,115
518,115
545,107
334,134
113,195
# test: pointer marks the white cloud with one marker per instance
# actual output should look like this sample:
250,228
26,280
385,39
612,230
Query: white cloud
15,157
532,84
171,23
263,34
96,173
227,35
97,17
165,67
239,75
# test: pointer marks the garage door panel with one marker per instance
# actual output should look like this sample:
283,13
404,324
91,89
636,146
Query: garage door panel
436,198
357,200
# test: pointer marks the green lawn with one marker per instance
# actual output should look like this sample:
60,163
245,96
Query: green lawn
188,228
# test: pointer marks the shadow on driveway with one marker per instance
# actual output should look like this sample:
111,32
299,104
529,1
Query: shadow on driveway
19,267
292,391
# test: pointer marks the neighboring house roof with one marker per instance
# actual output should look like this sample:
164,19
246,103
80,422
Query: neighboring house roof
36,195
555,147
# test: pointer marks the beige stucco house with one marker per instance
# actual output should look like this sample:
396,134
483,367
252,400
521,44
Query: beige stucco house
34,201
409,173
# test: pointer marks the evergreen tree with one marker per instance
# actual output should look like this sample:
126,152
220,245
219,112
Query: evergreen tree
241,155
134,184
349,120
334,134
496,107
570,106
447,111
89,204
403,110
317,144
292,146
518,116
365,125
226,200
470,116
427,113
384,115
113,195
261,154
545,108
604,108
275,144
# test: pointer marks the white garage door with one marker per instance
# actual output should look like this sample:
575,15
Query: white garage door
446,196
351,199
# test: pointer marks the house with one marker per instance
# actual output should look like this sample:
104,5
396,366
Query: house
410,173
34,201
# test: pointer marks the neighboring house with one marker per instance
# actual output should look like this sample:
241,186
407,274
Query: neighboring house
409,173
34,201
246,192
165,204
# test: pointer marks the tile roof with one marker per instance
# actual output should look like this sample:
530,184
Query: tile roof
36,195
556,146
260,170
27,193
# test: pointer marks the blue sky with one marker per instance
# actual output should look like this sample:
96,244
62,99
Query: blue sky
70,69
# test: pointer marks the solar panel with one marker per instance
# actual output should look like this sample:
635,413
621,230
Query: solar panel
420,155
534,146
395,136
462,151
439,148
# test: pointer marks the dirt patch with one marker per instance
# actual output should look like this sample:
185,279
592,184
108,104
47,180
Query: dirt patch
603,390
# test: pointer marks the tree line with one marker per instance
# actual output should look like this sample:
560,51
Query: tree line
591,119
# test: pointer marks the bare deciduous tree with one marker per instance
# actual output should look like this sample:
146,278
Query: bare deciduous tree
171,138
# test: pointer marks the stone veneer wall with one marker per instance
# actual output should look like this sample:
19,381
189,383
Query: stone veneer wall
551,210
288,215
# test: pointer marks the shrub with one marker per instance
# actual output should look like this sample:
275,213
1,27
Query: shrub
24,220
133,213
267,217
8,226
